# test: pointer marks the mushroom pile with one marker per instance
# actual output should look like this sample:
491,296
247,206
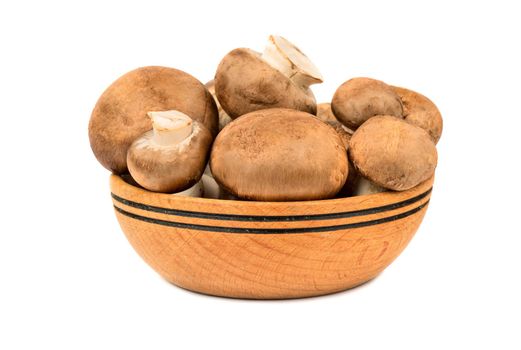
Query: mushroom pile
256,132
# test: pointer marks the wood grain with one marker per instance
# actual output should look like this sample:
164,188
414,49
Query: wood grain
229,248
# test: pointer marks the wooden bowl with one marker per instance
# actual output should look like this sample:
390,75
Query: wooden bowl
268,250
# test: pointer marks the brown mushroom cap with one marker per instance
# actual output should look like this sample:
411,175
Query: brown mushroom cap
393,153
345,135
325,113
170,169
421,111
279,155
342,131
359,99
245,83
120,115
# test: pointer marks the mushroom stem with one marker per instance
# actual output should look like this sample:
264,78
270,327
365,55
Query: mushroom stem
290,61
170,127
364,186
196,190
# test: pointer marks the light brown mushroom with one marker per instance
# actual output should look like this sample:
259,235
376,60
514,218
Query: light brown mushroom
196,190
224,118
342,131
421,111
393,153
359,99
120,115
352,174
212,188
357,185
171,158
280,77
279,155
325,113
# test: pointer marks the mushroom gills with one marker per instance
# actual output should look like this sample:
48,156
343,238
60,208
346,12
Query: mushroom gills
290,61
170,127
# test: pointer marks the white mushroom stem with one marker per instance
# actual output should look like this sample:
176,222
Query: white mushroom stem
364,186
290,61
170,127
196,190
208,170
211,187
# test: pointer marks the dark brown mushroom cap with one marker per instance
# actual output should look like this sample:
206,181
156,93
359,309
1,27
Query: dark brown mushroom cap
393,153
421,111
245,83
120,115
359,99
279,155
170,169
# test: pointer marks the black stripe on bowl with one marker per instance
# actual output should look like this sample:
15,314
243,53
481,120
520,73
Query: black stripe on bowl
271,218
271,230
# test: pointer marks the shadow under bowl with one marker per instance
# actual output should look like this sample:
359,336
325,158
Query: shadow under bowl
268,250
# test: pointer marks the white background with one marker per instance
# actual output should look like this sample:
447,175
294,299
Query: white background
70,280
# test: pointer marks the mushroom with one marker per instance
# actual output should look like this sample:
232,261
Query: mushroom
421,111
393,153
359,99
325,113
355,184
223,117
170,158
279,155
120,115
363,186
344,133
280,77
352,174
212,188
196,190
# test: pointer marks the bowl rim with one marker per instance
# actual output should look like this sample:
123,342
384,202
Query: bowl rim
389,197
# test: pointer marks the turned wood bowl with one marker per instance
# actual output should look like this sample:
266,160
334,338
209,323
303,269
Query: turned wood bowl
268,250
